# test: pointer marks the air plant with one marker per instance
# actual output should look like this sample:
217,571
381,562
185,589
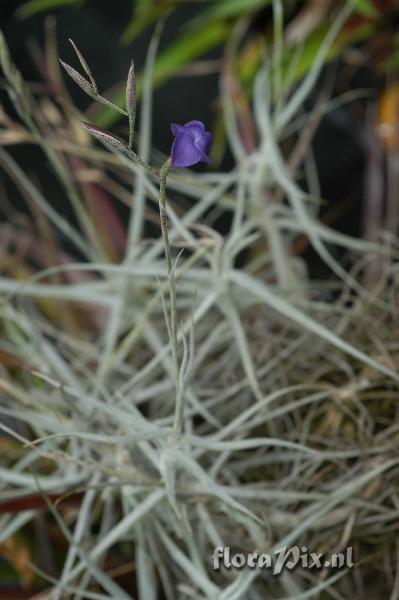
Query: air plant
288,398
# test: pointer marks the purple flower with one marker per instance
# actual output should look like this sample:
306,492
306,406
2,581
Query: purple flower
191,144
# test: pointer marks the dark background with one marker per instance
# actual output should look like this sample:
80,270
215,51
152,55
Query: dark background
96,27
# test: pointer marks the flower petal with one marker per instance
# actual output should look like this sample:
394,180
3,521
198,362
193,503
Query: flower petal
203,141
184,151
198,125
191,143
177,129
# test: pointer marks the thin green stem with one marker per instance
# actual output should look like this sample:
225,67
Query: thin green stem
179,406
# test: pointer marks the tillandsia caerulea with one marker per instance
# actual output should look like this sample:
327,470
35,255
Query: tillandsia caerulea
191,144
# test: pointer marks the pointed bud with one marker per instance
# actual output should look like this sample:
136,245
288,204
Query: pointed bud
105,136
85,66
81,81
131,101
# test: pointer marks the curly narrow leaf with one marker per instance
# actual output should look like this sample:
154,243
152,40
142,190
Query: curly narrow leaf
131,101
85,85
85,66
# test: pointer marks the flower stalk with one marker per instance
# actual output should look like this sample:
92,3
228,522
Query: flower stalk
190,146
179,404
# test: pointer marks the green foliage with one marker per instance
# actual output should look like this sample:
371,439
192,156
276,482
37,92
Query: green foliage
366,8
32,7
146,12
